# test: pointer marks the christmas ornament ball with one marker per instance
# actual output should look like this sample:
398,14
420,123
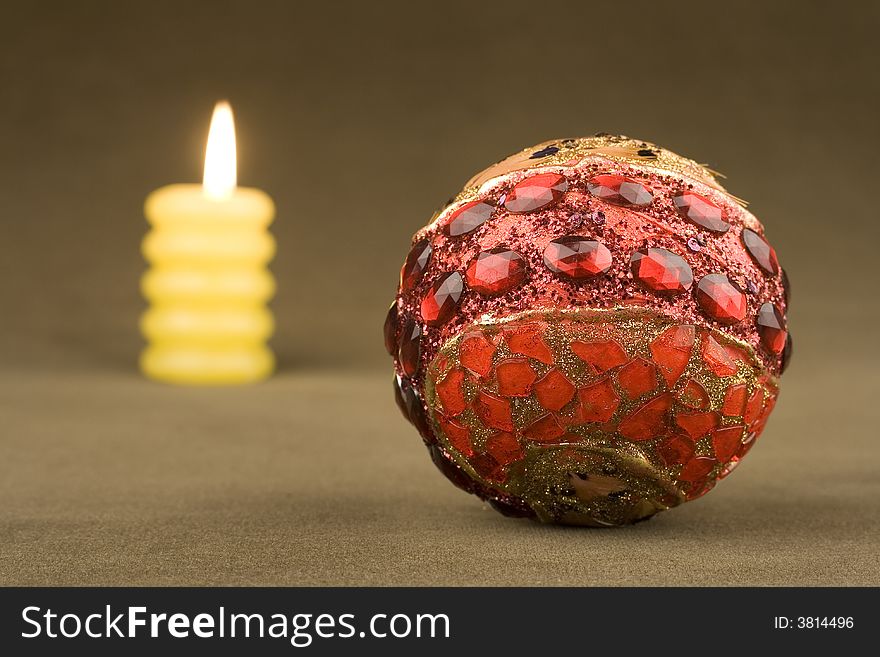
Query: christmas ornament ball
591,332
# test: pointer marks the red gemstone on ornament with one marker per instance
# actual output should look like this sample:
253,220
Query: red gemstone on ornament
661,271
771,328
528,341
411,406
577,257
545,429
697,425
765,415
601,355
638,377
701,211
442,299
494,412
726,442
696,469
415,265
717,358
475,353
451,393
468,217
515,377
619,190
648,421
671,350
678,450
699,488
736,353
536,192
761,252
496,271
720,299
459,436
409,350
390,329
400,386
554,390
488,468
598,402
504,448
450,469
694,395
735,400
786,354
754,406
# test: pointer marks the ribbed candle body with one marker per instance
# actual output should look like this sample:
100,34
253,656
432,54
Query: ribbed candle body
208,286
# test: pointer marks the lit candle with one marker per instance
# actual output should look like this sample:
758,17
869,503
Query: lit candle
208,284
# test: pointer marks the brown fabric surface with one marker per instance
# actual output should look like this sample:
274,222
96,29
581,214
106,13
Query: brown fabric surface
314,478
360,119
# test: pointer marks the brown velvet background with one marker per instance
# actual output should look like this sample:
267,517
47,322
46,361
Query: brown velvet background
360,119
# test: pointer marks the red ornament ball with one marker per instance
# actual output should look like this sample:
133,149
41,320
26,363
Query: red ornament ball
591,332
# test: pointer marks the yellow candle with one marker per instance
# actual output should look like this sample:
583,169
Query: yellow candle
208,284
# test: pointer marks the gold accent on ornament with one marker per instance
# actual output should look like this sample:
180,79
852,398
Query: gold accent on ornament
616,148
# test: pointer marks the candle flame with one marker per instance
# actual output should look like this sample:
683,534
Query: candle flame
220,161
